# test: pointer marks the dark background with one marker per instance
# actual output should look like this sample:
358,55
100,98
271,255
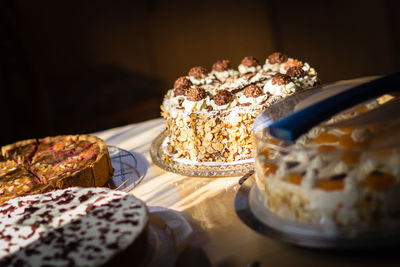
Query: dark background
82,66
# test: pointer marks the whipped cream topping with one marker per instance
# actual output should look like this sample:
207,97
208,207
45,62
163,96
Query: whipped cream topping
236,81
207,80
280,90
309,80
223,75
245,69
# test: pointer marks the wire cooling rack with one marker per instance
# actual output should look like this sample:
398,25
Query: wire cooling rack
125,177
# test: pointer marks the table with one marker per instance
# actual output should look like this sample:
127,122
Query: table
219,236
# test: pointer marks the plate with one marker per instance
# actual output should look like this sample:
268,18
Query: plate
252,212
169,233
200,169
125,176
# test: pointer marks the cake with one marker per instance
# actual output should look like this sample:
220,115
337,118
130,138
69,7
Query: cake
73,227
209,115
35,166
335,177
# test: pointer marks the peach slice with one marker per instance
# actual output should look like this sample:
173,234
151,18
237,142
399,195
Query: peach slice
326,148
270,169
294,178
330,185
378,181
348,142
326,138
350,157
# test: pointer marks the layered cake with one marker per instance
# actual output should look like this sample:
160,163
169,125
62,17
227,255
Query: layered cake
333,176
41,165
73,227
209,115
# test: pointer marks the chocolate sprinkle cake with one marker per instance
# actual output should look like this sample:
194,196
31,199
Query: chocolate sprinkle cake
71,227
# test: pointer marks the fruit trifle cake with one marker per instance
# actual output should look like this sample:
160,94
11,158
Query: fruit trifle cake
73,227
40,165
209,115
333,176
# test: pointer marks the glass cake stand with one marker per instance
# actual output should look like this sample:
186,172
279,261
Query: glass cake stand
124,164
194,168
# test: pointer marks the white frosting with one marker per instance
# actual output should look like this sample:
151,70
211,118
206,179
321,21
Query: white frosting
309,80
273,67
279,90
207,80
223,75
252,100
244,69
192,106
360,135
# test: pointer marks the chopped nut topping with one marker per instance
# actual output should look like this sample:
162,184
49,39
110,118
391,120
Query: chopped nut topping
196,94
223,97
281,79
198,72
293,62
277,57
221,65
296,72
252,91
250,61
181,86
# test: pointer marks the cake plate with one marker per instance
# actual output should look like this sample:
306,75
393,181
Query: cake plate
125,176
195,168
252,212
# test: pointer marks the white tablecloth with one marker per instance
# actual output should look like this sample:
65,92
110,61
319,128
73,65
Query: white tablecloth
208,204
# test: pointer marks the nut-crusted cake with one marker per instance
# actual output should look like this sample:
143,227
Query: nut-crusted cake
209,115
34,166
73,227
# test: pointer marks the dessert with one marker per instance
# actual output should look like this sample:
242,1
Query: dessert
209,115
340,177
72,227
33,166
